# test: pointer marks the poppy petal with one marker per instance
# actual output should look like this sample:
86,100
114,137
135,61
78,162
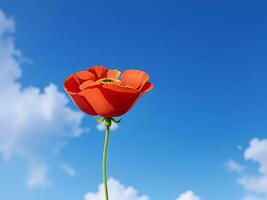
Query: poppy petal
110,100
99,71
134,78
87,84
81,102
85,75
113,73
120,88
146,88
71,84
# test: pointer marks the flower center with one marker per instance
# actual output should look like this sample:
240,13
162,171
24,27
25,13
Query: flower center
107,81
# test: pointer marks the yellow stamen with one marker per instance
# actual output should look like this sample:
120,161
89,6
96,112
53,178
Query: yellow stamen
107,81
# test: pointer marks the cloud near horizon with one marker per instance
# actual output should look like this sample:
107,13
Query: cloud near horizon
188,195
117,191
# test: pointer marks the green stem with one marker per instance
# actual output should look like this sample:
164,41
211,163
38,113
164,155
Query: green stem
104,167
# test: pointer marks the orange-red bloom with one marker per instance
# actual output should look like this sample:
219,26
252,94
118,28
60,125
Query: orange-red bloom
99,91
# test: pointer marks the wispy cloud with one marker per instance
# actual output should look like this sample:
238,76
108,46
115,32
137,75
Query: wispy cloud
6,24
38,176
69,170
253,197
33,121
234,166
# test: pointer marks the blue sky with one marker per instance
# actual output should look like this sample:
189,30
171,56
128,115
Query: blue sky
207,61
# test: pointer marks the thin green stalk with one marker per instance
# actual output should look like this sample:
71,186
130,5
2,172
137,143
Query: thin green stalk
104,167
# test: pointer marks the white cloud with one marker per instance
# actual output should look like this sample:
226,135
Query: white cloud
101,126
257,152
6,24
234,166
254,197
69,170
255,185
188,195
33,122
117,191
38,176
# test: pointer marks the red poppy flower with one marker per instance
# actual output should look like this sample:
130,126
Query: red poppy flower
99,91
